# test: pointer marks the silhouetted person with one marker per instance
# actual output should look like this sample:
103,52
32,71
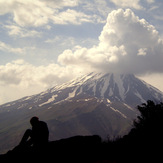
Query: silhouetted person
37,136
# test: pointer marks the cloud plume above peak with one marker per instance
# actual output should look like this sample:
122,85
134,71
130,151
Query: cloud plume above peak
127,44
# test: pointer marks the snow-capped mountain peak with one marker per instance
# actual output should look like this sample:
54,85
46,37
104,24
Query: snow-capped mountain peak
122,87
125,88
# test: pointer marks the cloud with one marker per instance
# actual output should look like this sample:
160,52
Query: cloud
129,3
142,51
7,48
96,6
14,30
127,44
62,3
150,1
26,13
17,51
23,74
37,13
70,16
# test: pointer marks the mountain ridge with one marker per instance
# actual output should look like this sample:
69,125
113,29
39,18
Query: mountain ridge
91,81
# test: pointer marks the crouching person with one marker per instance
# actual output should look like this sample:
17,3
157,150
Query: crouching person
36,137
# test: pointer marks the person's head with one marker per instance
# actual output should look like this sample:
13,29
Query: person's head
34,121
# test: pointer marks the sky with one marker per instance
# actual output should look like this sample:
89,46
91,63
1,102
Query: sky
49,42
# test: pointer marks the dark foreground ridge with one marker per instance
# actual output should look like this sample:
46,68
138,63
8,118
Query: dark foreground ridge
143,144
74,149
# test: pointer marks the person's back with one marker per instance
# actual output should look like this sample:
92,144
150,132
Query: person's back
40,133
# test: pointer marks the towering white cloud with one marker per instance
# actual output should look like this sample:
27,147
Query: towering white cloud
127,44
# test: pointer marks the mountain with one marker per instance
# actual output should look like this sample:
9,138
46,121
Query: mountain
96,103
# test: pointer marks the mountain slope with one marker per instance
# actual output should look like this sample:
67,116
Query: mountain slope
96,103
124,88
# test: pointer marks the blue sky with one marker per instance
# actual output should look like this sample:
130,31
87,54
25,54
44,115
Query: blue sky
48,42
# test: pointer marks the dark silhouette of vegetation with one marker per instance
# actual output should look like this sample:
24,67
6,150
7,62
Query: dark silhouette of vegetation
145,140
143,144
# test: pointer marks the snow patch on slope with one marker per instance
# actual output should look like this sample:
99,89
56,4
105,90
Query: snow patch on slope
49,100
140,97
119,82
129,107
118,112
105,86
72,94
